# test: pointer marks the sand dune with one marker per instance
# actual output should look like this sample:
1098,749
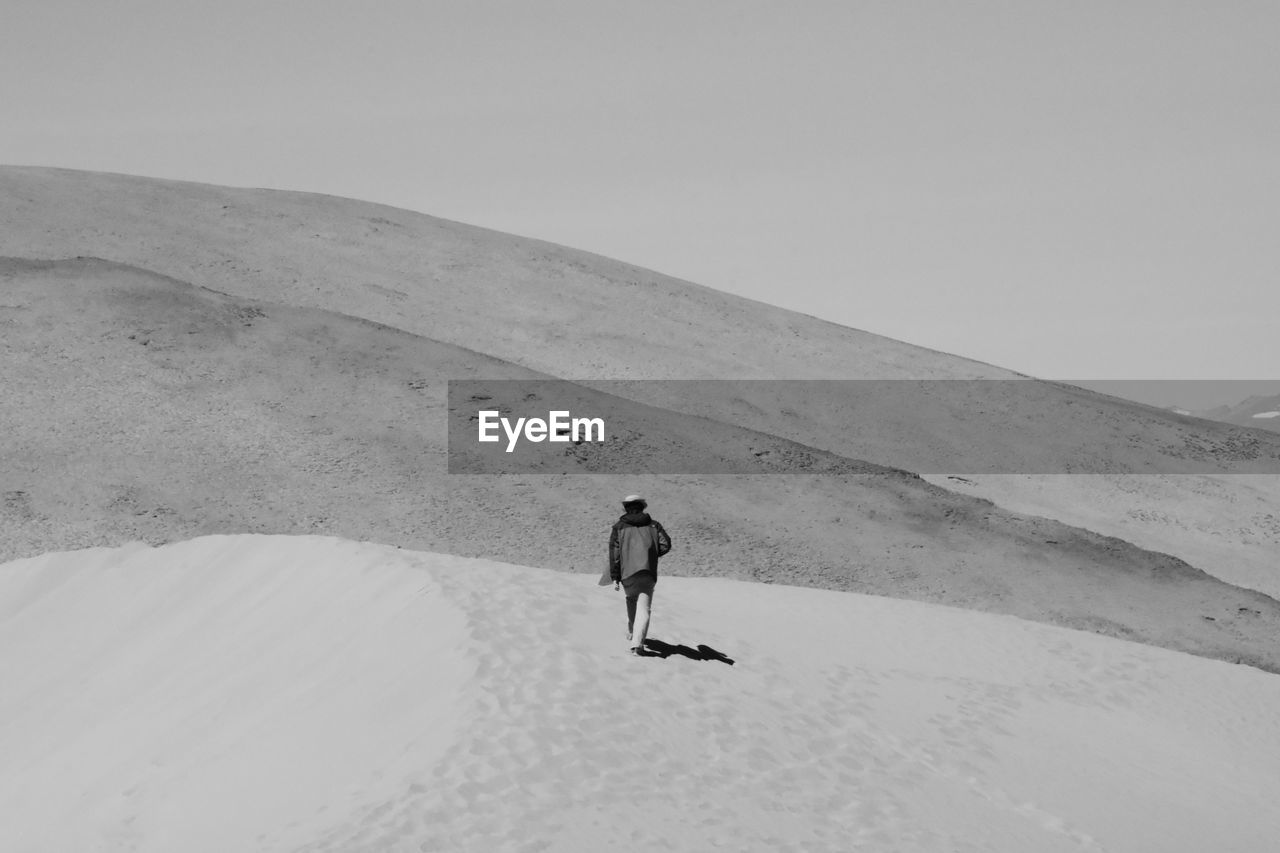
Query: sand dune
314,694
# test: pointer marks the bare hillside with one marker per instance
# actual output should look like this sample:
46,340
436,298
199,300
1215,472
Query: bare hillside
144,407
537,304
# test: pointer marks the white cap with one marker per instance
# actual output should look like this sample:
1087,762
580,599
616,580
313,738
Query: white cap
634,499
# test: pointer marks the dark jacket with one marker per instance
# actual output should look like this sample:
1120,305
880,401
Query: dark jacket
635,544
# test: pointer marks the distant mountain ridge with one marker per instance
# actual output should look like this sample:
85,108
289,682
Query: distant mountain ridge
1258,411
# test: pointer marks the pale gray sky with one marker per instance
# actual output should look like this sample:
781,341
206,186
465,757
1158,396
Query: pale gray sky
1070,189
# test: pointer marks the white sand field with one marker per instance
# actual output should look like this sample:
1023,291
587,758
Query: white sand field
240,693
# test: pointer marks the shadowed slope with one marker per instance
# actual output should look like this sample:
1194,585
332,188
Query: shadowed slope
138,405
143,407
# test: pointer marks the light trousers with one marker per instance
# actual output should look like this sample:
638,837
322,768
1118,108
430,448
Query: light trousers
639,589
638,608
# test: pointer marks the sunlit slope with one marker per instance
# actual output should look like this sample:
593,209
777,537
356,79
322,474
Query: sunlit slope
139,406
545,306
576,315
313,694
227,694
1227,525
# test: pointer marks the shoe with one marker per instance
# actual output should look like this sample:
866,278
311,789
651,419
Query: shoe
628,636
634,651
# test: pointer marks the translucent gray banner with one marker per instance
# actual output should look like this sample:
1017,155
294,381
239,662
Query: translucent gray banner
834,426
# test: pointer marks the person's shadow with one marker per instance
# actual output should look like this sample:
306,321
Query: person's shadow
659,649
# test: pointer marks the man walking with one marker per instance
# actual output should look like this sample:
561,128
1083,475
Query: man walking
635,544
